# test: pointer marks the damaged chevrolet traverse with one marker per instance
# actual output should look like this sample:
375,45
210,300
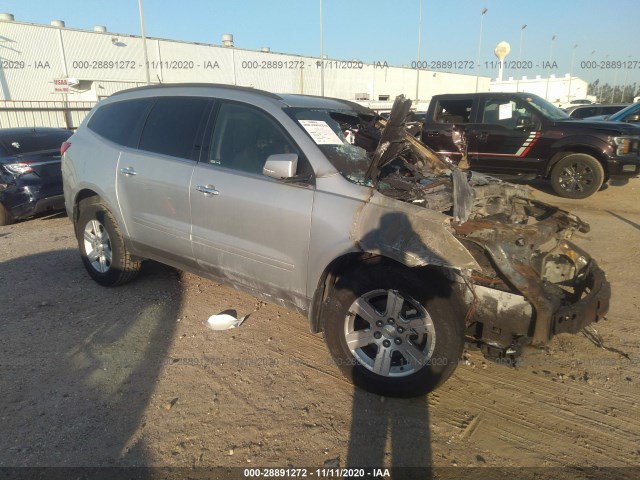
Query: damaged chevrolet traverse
319,205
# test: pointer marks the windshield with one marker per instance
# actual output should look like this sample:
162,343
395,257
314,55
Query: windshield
547,109
619,116
328,128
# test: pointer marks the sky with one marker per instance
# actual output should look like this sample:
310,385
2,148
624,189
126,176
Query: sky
385,31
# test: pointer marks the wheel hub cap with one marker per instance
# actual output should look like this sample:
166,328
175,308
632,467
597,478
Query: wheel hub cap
389,334
97,246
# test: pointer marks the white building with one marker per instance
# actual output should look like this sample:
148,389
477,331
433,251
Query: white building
558,90
55,63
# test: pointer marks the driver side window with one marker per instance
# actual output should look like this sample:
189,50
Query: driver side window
244,138
510,115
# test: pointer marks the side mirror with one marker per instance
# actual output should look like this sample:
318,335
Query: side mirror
524,123
281,165
635,118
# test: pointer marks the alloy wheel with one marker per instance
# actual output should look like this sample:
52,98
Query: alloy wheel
390,334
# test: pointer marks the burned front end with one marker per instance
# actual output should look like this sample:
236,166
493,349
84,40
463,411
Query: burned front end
534,282
531,282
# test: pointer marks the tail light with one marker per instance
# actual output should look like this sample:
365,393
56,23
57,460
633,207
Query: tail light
18,168
64,147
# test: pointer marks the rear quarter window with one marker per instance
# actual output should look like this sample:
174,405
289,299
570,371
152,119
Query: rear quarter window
120,121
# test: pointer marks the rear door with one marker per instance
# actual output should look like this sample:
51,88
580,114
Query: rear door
248,227
153,179
502,140
443,132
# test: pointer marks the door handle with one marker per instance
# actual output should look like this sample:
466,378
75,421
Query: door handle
128,171
208,190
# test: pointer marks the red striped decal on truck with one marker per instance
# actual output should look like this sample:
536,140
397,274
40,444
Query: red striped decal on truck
528,143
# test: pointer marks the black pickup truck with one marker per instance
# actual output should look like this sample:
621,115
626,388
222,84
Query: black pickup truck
522,134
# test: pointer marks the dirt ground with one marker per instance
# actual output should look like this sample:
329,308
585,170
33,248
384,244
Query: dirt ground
130,376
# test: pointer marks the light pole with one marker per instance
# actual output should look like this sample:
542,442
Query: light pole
546,92
482,12
573,56
419,44
144,43
321,55
520,56
602,84
591,60
624,89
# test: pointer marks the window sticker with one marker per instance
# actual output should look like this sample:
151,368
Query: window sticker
505,111
321,132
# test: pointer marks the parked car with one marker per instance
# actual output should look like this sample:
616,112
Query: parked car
521,134
584,111
392,252
30,177
630,114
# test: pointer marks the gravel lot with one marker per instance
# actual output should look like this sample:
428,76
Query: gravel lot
92,376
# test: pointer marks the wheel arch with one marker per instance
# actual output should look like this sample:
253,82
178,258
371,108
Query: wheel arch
83,194
587,150
353,260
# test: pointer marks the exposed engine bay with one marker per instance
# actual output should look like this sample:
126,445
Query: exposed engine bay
533,282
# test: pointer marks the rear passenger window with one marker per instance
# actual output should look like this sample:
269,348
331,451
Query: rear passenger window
586,112
453,111
172,126
119,121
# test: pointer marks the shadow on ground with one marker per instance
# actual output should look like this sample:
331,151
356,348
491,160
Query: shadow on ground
79,362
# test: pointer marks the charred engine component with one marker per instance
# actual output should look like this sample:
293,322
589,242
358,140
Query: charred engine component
533,283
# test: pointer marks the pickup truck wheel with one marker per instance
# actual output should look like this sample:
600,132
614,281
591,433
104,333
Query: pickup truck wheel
389,334
577,175
5,217
102,247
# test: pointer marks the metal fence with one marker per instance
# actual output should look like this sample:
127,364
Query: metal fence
62,114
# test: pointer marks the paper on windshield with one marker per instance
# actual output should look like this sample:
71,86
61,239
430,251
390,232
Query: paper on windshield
321,132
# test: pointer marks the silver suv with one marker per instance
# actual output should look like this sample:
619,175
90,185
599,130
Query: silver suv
321,206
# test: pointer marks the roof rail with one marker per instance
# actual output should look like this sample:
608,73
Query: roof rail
214,85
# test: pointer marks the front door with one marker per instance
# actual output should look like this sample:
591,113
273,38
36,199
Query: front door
502,140
248,227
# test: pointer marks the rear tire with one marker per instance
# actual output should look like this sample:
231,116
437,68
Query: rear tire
102,247
394,332
577,175
5,217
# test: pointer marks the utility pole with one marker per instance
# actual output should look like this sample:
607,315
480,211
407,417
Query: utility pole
419,44
482,12
144,43
321,55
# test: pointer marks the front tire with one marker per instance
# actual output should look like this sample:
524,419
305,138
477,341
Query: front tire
102,247
577,175
394,332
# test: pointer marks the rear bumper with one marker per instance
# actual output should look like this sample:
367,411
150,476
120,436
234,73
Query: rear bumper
24,202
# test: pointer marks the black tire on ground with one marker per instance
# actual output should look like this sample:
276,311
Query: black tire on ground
102,247
420,357
577,175
5,217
